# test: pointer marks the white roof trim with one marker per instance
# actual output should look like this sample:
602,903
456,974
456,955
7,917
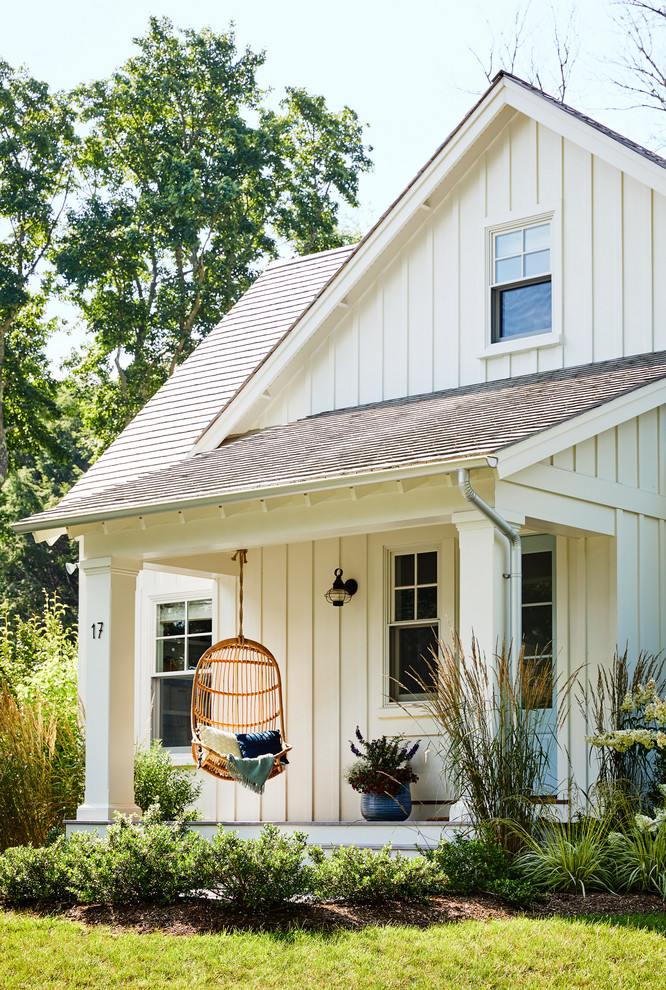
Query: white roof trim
581,427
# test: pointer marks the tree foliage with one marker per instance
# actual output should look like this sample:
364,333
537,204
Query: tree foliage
36,139
324,154
38,480
187,181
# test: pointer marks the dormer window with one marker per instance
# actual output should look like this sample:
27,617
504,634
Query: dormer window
521,282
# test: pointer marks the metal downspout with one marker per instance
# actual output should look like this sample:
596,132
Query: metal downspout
516,566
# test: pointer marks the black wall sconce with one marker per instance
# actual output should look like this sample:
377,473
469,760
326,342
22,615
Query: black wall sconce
341,591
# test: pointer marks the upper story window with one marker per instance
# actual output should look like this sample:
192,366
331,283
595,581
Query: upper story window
184,631
413,623
521,282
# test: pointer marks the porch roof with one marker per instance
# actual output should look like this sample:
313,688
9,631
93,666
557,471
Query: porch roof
424,432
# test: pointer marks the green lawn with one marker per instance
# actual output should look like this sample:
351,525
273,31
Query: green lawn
48,953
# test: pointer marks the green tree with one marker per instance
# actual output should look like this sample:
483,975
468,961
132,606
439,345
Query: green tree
36,139
324,154
38,480
189,181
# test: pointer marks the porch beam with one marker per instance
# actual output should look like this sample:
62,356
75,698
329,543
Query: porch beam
561,510
573,485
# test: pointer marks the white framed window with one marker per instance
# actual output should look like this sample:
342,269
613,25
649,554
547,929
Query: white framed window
521,298
413,621
183,631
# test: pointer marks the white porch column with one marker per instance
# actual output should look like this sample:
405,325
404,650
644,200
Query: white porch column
483,592
106,659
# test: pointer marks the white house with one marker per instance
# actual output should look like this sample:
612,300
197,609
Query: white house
500,331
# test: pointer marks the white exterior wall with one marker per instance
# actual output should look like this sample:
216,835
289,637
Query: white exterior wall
423,324
632,455
332,662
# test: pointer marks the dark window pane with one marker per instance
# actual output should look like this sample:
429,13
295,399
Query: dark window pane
427,568
537,628
411,656
200,617
171,619
170,654
538,577
525,309
172,700
538,682
404,604
426,603
196,647
404,569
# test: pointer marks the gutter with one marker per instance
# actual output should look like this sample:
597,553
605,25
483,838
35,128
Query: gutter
515,557
91,517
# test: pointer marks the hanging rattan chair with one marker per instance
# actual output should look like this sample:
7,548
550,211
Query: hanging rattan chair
237,688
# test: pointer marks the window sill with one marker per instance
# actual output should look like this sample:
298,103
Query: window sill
502,347
409,710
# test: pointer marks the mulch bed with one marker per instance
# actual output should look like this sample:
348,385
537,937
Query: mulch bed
205,916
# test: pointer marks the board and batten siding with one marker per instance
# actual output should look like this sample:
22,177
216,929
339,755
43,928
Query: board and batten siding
331,660
421,325
633,455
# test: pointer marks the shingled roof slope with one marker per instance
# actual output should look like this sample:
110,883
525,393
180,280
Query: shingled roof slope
425,430
169,424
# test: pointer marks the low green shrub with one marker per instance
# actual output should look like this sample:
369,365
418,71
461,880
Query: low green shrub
259,873
158,782
480,866
363,876
34,874
152,860
565,856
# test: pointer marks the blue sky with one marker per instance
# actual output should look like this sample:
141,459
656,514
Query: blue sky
407,69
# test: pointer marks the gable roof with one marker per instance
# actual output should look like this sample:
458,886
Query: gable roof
365,443
167,427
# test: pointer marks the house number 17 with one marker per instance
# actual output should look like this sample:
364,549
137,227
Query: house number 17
97,630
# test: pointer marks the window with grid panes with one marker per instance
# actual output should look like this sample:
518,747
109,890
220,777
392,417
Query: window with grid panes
521,282
537,618
413,623
183,634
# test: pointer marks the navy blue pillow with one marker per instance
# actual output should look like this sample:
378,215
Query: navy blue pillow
254,744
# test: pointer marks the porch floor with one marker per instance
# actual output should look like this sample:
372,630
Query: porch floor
404,837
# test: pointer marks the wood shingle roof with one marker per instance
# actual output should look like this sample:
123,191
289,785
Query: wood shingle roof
167,427
416,432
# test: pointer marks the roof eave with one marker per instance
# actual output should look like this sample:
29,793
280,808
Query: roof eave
60,524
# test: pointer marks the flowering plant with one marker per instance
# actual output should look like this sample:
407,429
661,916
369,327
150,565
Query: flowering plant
647,711
383,765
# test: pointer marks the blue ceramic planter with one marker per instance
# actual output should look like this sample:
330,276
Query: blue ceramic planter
386,807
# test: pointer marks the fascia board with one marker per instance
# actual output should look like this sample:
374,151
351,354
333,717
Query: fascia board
586,136
588,424
181,505
290,349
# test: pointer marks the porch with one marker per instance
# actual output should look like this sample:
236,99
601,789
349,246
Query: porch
335,662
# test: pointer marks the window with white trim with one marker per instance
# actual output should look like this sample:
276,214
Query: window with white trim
413,628
521,294
184,631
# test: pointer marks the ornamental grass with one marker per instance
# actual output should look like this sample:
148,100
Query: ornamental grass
496,737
